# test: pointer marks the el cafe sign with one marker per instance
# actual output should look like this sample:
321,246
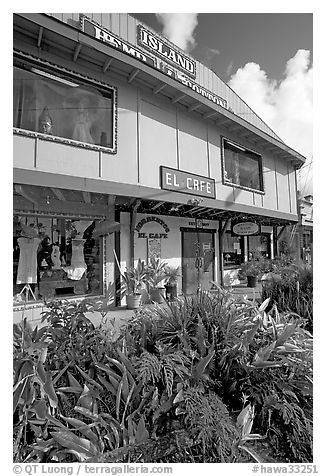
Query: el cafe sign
185,182
149,219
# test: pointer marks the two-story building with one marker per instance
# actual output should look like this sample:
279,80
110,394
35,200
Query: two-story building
126,147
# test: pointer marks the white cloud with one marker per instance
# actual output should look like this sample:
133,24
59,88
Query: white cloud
179,28
286,106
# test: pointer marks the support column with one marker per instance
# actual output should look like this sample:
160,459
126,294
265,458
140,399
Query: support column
133,216
221,232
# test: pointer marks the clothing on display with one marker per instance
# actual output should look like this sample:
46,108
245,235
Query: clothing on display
77,265
27,265
55,257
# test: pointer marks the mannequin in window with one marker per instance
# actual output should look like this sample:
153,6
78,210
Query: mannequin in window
82,127
77,266
45,122
44,254
55,256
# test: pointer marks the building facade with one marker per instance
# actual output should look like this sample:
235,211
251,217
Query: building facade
125,147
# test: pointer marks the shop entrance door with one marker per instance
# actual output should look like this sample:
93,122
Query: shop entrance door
197,260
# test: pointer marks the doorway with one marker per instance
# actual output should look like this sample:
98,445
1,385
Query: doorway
198,256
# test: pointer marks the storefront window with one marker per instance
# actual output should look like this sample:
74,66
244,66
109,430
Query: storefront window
55,257
55,106
232,250
241,167
259,245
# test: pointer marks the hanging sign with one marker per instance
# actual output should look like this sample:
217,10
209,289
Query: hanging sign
185,182
245,228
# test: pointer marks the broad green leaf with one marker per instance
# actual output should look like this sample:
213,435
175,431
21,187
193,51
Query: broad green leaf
131,432
40,371
125,385
126,362
40,409
76,390
107,385
89,379
18,392
202,364
86,400
118,398
84,429
288,331
57,377
263,306
261,364
73,382
84,448
141,432
179,397
49,390
245,420
252,453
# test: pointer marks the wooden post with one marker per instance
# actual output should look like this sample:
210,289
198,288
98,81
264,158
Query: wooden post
133,215
221,232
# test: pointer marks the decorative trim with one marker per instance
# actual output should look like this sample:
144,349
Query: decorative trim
228,183
105,266
32,305
73,75
55,214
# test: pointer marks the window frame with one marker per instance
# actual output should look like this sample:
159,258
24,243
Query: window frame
22,60
259,159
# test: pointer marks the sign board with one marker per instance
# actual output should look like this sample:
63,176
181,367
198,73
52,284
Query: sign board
161,48
245,228
99,33
185,182
153,235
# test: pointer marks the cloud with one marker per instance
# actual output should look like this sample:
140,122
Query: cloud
179,28
214,51
286,106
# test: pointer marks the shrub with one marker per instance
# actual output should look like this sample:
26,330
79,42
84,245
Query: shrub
294,292
185,382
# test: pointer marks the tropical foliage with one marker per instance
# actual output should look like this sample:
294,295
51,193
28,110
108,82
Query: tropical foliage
200,379
294,291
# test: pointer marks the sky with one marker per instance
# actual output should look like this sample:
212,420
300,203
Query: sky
266,58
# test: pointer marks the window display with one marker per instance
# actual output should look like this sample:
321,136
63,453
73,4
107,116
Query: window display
259,245
241,167
55,106
56,257
232,250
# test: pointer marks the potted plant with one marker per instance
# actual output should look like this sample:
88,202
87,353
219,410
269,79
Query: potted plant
156,278
172,274
134,279
252,270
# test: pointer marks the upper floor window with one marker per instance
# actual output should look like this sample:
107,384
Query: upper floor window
241,167
60,108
